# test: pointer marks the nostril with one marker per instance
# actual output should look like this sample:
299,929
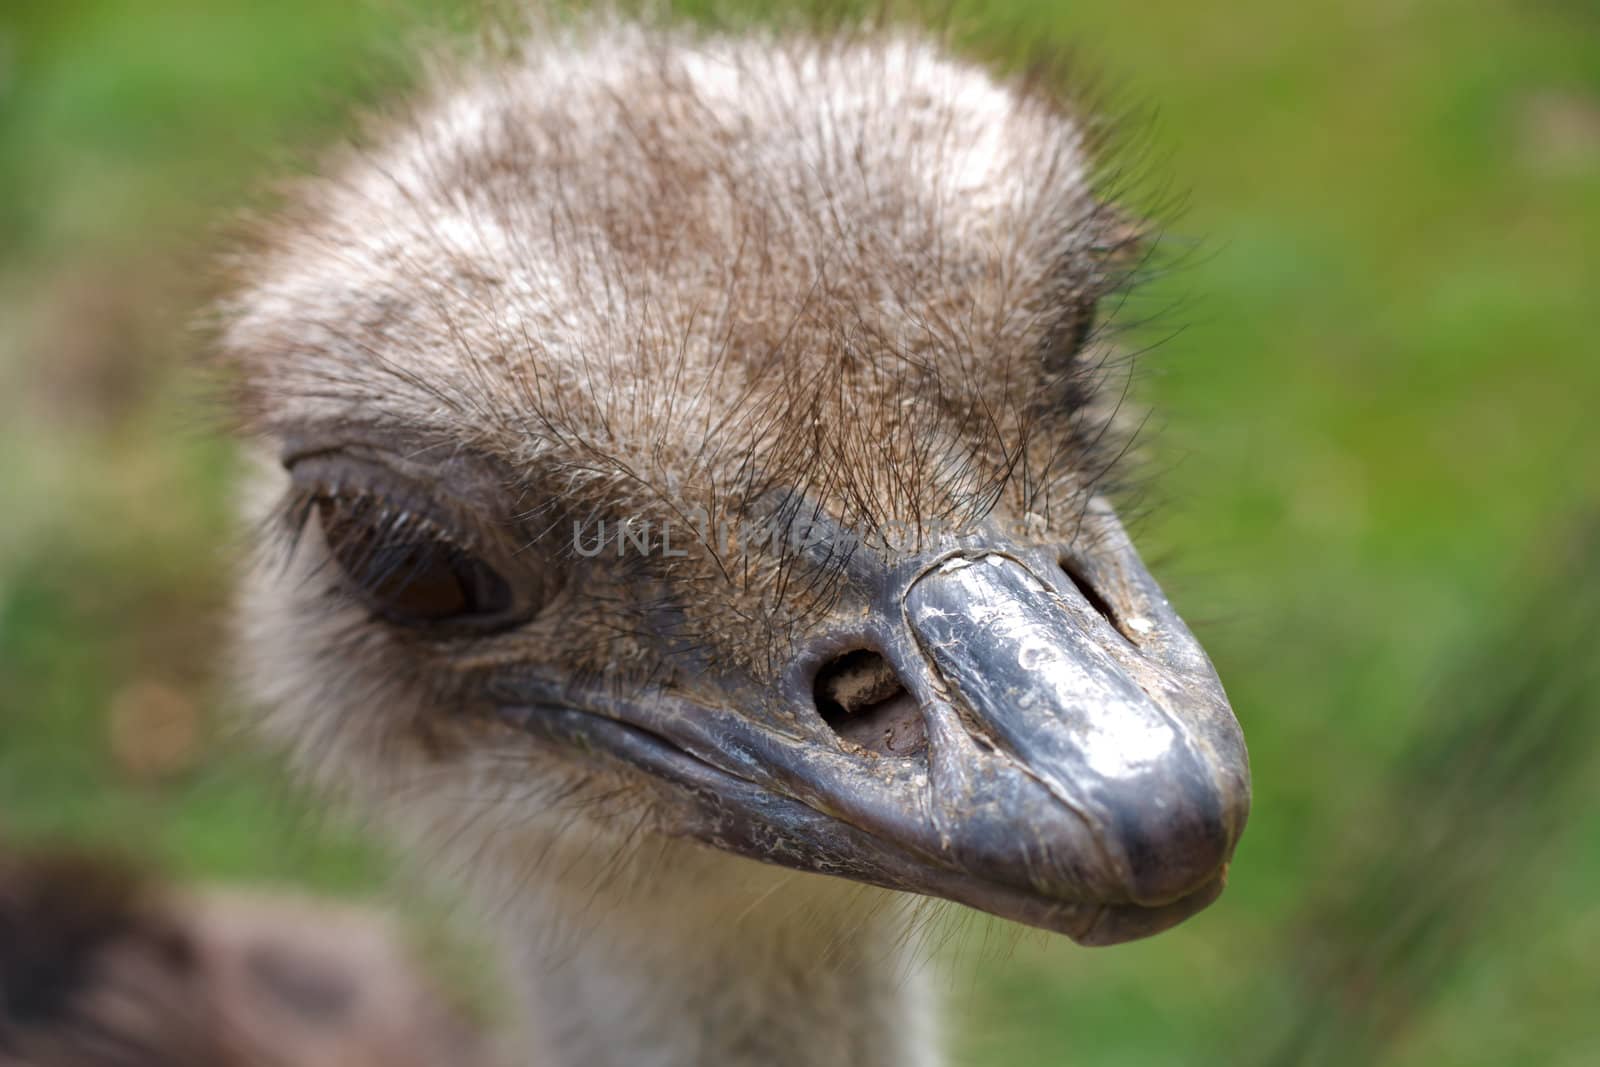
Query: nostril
862,700
1086,589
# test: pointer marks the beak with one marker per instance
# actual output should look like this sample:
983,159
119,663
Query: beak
1076,772
1104,735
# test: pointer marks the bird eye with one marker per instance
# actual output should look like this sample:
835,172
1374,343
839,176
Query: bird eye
405,568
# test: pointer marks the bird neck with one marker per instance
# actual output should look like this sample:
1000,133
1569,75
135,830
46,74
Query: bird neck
736,965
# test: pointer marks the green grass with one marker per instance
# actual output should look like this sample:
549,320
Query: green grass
1377,419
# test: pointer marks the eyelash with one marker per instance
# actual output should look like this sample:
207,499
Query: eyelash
391,552
398,514
390,528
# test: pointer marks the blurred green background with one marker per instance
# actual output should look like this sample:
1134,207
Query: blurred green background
1379,396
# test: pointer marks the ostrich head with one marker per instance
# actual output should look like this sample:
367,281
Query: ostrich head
685,445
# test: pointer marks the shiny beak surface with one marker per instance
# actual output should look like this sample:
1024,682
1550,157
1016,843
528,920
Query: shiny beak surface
1091,727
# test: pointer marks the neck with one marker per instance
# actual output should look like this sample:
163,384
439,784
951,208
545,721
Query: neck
715,960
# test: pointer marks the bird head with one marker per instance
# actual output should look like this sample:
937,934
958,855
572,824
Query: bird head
703,439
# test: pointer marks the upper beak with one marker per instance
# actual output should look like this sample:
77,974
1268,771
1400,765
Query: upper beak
1080,773
1117,744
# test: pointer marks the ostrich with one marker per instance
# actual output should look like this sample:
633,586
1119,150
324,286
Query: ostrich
680,468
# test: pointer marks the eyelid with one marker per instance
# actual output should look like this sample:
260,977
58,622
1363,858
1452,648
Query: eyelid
405,571
426,506
322,476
